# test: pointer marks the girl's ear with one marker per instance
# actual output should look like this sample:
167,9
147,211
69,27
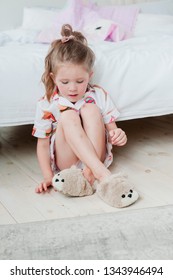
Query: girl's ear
52,76
91,74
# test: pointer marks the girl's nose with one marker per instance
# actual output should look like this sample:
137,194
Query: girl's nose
72,87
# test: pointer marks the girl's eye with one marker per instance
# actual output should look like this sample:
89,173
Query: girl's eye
64,82
80,82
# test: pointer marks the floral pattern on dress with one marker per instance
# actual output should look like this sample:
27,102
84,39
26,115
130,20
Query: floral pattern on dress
48,116
49,112
90,99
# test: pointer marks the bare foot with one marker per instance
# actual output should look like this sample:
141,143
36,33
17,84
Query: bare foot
88,175
101,173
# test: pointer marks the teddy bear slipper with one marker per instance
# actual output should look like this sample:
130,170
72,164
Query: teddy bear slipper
71,182
117,191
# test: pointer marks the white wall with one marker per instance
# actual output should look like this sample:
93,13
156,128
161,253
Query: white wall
11,11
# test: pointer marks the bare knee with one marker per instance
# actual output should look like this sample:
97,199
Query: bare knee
69,117
91,111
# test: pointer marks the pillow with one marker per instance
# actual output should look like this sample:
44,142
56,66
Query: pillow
38,18
75,13
47,35
104,30
149,24
125,16
79,16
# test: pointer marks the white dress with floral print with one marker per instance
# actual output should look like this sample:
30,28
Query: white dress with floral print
48,114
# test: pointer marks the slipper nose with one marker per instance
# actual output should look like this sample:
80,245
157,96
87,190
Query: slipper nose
130,195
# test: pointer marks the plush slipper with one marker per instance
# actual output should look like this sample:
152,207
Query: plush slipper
71,182
116,191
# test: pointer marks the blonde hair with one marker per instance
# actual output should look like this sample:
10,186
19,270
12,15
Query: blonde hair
73,48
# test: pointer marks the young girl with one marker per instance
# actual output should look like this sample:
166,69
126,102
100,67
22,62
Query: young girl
75,121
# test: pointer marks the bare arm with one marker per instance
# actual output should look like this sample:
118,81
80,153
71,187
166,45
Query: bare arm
43,155
116,135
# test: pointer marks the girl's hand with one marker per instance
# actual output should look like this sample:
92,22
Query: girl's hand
43,186
117,137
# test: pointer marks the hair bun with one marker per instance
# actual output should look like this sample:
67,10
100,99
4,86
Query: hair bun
66,30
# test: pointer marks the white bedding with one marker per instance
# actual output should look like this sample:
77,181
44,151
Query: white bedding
138,74
21,66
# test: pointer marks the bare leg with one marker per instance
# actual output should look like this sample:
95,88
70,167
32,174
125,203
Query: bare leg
80,146
65,157
94,128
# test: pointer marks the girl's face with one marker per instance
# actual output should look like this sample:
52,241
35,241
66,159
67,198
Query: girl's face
72,81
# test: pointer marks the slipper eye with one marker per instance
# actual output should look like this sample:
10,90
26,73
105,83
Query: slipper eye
62,180
131,191
56,180
123,196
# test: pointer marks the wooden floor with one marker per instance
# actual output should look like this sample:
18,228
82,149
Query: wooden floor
147,159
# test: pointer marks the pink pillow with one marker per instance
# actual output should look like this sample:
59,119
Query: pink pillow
104,30
79,16
123,15
75,13
48,35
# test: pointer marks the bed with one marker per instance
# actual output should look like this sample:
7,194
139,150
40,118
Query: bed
137,71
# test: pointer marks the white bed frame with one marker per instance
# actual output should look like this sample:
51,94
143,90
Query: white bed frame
11,11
